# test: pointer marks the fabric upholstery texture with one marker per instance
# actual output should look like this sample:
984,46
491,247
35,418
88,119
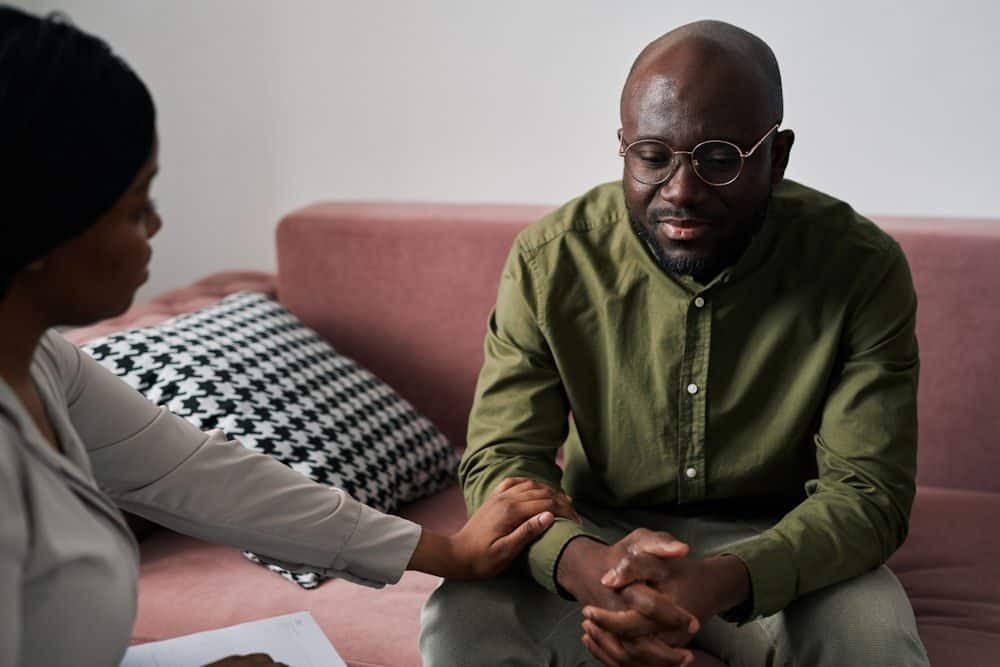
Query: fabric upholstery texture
349,271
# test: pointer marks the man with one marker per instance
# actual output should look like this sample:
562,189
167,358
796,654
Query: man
737,352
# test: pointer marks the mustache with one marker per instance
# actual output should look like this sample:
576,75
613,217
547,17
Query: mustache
658,214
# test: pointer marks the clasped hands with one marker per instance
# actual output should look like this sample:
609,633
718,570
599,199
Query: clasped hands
644,599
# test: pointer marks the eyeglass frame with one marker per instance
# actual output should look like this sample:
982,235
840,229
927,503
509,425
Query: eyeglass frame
623,149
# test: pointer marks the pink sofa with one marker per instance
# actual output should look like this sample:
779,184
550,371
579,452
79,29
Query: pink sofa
405,289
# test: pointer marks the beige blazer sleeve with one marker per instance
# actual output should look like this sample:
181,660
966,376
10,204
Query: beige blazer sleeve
159,466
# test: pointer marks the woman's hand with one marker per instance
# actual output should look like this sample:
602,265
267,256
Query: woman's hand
258,659
516,513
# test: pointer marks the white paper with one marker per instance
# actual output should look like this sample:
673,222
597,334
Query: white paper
294,639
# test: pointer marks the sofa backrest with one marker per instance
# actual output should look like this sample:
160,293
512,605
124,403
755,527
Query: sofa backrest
406,290
956,271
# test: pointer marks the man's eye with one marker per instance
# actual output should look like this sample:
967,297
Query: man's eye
717,155
718,160
654,158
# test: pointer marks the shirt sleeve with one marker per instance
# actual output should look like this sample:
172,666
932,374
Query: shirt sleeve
856,512
159,466
13,550
519,418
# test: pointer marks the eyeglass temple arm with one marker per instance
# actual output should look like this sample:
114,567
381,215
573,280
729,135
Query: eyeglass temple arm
757,145
622,148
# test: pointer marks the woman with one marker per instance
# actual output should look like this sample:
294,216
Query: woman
78,153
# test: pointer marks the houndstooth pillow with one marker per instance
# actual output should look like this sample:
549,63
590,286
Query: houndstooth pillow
247,366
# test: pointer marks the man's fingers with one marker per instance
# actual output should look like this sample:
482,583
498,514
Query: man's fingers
655,543
630,569
643,566
641,651
649,612
625,624
653,651
658,607
666,617
517,539
646,554
660,544
661,609
607,642
598,652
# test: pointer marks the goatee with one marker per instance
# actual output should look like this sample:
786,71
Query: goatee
702,269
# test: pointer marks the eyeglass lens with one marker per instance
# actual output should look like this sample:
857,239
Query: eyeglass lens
715,162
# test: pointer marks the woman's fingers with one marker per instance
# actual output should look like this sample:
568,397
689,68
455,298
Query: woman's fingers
508,483
511,544
516,489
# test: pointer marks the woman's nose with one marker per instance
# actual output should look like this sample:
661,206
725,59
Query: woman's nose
153,224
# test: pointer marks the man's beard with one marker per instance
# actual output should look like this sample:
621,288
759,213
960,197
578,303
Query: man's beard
702,269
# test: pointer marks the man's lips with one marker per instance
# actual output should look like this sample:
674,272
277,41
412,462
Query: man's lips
683,229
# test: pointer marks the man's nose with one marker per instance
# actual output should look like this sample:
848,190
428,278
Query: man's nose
684,187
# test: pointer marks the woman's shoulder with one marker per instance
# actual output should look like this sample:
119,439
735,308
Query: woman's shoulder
58,361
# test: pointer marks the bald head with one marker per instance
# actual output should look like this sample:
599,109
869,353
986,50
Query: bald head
704,82
705,50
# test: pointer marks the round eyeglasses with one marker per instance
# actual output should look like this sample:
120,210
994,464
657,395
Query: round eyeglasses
716,161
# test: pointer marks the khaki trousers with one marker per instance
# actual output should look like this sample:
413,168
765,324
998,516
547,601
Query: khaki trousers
511,620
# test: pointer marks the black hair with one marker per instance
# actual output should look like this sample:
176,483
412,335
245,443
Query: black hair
76,126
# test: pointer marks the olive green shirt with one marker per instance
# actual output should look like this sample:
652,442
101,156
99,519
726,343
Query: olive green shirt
790,379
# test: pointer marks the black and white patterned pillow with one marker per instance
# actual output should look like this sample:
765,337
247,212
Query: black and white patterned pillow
249,367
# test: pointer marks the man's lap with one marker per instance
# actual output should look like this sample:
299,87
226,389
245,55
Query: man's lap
512,620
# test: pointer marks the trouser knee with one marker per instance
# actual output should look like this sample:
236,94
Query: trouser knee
862,622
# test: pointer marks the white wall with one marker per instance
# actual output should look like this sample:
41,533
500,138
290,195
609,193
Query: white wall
266,106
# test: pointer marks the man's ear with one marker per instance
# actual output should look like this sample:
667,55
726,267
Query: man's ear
780,151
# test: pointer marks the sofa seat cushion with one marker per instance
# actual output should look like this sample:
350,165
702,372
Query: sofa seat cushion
950,568
188,586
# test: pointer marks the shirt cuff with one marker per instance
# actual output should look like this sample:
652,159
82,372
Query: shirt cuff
543,555
773,577
380,547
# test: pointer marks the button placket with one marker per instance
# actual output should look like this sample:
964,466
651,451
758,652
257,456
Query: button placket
694,396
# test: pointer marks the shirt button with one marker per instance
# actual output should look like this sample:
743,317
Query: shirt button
692,389
691,473
699,302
